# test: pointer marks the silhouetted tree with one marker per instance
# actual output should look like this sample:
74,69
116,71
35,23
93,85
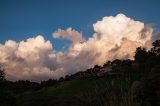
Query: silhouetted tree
148,92
2,74
61,79
156,47
116,65
96,69
69,77
89,70
50,82
141,55
108,63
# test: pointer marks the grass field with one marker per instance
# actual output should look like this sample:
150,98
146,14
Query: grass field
85,91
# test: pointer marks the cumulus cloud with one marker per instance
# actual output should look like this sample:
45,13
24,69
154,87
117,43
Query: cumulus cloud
111,33
69,34
27,59
115,37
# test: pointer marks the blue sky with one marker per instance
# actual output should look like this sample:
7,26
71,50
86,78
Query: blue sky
21,19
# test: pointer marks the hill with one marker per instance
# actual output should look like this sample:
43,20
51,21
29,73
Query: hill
85,91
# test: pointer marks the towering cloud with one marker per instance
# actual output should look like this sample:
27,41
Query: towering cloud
114,38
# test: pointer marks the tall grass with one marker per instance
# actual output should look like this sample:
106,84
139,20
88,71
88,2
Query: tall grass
117,91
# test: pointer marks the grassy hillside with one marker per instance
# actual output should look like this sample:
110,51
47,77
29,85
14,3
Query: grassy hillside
68,88
85,91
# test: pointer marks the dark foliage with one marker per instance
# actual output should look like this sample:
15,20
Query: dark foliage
50,82
2,74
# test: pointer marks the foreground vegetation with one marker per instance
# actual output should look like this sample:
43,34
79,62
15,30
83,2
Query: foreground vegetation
133,83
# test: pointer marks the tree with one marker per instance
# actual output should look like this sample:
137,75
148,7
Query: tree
96,68
141,55
61,79
2,74
156,47
108,63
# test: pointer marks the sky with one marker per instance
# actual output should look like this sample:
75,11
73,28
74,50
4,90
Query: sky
21,19
42,39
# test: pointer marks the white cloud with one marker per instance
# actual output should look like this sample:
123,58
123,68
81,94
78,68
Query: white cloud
70,34
35,59
26,59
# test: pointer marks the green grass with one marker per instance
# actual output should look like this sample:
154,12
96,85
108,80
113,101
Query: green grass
65,90
96,91
68,88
